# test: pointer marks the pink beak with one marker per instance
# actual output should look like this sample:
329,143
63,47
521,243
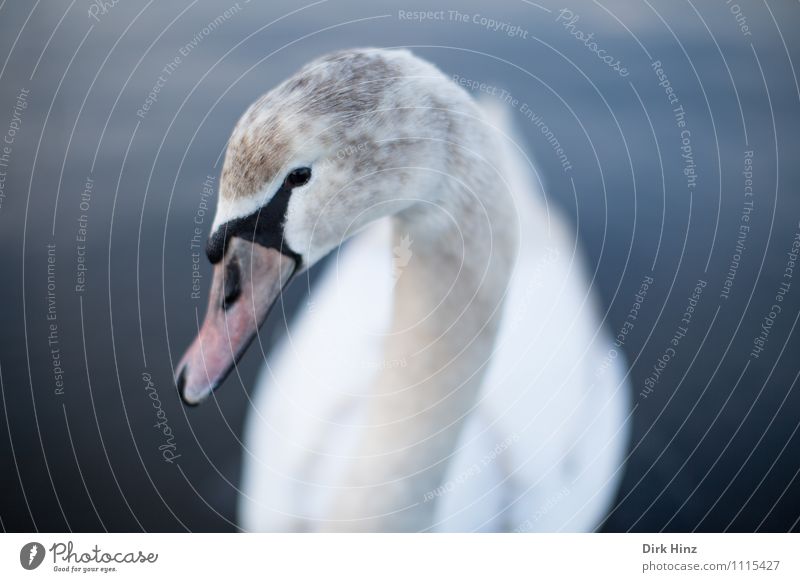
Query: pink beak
245,284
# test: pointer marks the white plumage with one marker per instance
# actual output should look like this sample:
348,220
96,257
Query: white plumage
544,442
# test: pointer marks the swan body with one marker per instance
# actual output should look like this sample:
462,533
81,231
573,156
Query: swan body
543,449
449,371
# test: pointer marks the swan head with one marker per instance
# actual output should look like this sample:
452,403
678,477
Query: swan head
352,137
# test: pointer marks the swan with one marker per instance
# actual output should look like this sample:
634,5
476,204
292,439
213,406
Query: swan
450,371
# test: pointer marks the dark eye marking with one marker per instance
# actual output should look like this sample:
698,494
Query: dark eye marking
298,177
264,226
232,283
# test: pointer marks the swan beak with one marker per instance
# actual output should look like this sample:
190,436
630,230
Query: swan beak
245,285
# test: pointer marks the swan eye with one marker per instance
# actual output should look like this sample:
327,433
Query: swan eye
298,177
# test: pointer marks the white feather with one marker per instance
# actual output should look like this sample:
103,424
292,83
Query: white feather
544,446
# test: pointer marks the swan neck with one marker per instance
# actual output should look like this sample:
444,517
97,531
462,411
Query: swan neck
450,279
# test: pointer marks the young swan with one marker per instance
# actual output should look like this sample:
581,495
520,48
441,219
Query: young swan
352,138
